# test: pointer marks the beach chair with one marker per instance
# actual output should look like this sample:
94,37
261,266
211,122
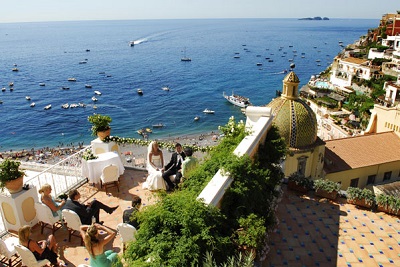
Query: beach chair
8,253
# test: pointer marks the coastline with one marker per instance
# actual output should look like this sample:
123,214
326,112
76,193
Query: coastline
136,156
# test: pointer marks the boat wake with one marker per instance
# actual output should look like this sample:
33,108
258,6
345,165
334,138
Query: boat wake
146,39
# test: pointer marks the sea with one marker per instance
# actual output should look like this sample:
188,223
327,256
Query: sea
98,53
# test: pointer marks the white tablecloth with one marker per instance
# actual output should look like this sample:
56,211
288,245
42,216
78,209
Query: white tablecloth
92,168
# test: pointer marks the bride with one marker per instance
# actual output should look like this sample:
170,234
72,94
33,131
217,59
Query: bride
155,162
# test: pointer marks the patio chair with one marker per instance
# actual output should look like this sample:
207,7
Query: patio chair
28,259
73,223
46,218
9,254
110,177
127,233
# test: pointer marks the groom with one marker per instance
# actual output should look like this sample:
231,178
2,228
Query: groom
174,167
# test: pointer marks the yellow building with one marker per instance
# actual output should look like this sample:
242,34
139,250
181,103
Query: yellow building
297,124
363,160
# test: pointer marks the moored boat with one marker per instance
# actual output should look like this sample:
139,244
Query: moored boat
27,97
237,100
139,91
196,118
72,79
165,88
94,99
208,111
42,84
32,104
47,107
65,106
158,125
97,92
88,86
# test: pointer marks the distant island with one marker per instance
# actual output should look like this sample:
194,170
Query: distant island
315,18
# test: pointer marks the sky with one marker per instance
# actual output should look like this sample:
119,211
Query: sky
73,10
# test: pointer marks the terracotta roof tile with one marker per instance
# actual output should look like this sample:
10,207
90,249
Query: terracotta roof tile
355,60
361,151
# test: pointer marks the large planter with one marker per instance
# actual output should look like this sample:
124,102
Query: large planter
15,186
296,187
359,202
388,210
325,194
103,134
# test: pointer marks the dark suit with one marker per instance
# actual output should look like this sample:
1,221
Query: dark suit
172,168
85,212
126,217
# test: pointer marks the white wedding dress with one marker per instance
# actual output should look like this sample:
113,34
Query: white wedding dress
154,181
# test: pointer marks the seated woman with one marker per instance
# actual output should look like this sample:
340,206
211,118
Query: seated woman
155,162
43,249
95,245
54,204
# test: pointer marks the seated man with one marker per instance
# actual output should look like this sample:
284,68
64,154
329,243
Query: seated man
189,163
127,216
86,211
174,167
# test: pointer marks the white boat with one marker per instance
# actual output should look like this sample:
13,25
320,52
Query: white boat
82,62
165,88
73,105
97,92
88,86
94,99
11,84
32,104
42,84
237,100
65,106
158,125
65,88
72,79
196,118
3,89
47,107
208,111
132,43
15,69
27,97
82,105
139,91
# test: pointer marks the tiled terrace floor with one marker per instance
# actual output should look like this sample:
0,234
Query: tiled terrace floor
311,232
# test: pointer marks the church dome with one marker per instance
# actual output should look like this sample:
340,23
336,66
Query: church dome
295,120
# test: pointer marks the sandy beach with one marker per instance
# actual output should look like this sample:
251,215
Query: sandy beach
132,155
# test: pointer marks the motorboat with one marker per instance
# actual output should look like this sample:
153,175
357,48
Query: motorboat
11,84
139,91
65,106
3,89
94,99
237,100
132,43
1,101
73,105
208,111
165,88
83,62
236,56
97,92
196,118
11,88
72,79
42,84
15,69
158,125
32,104
149,130
28,97
47,107
65,88
88,86
82,105
259,64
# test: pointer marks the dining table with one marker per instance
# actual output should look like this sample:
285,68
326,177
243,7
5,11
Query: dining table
93,168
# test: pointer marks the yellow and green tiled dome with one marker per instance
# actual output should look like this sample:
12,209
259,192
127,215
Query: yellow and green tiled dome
295,120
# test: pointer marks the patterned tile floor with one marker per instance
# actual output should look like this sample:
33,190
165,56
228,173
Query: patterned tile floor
315,232
312,231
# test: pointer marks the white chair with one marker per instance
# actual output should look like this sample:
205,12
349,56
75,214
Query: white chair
83,265
110,177
7,250
46,218
28,259
127,233
73,223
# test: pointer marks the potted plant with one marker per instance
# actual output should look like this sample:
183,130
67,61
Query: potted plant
251,234
388,203
100,125
299,182
360,197
88,155
11,177
326,188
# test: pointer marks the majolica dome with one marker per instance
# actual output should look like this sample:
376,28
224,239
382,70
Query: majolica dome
295,120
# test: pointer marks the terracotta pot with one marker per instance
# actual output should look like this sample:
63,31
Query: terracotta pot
388,210
293,186
359,202
102,135
322,193
15,186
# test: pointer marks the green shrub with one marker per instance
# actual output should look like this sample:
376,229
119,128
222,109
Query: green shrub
388,202
326,185
355,193
300,180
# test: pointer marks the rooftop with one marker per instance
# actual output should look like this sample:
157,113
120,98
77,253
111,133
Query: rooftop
312,232
366,150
